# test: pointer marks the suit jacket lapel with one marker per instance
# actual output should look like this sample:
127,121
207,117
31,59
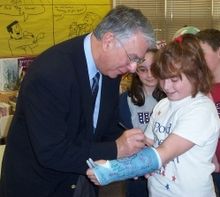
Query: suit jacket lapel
109,90
85,89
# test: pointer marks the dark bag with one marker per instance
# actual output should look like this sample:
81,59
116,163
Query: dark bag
84,188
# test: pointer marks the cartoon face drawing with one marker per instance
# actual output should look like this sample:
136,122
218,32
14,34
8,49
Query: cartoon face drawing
15,31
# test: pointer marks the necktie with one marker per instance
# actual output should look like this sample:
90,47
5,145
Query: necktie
95,87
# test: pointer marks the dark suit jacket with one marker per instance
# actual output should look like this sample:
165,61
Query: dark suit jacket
51,135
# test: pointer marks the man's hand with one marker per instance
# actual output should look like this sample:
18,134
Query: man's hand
130,142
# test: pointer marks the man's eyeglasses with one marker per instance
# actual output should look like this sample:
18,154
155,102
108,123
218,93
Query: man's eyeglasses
137,60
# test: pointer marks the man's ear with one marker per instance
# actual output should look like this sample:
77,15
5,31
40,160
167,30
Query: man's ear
108,41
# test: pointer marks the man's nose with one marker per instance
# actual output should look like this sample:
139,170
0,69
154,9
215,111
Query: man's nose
132,67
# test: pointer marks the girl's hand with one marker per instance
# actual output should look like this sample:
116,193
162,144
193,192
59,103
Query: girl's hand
91,175
216,163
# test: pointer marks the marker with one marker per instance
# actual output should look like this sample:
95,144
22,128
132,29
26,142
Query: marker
122,125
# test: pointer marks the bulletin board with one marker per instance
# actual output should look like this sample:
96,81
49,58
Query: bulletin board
27,27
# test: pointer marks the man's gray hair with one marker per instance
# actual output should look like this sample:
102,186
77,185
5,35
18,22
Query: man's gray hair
124,22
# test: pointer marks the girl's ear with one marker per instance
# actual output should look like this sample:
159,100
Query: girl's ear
218,51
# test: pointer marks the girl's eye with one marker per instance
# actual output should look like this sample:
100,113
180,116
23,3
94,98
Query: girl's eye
141,69
174,79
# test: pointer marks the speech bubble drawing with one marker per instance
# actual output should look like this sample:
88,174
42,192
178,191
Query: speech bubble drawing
21,10
61,11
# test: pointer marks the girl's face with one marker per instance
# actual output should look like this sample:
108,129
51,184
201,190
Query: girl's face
177,88
212,57
144,71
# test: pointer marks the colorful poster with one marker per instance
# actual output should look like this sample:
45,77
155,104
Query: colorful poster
30,26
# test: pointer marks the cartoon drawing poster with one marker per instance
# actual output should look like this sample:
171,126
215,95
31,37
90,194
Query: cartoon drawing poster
30,26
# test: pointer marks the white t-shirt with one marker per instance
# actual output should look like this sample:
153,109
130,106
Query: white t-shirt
189,174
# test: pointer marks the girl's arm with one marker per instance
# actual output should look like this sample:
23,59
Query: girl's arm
172,147
144,162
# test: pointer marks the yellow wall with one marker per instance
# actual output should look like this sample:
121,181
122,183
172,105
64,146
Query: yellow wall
43,23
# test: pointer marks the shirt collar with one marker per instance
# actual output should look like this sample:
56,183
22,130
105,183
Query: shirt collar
92,70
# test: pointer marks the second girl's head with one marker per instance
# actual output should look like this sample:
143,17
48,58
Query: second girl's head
144,70
143,82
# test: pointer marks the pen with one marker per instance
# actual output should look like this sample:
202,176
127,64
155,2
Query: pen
122,125
126,128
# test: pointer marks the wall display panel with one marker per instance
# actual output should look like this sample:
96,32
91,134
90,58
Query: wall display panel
30,26
168,16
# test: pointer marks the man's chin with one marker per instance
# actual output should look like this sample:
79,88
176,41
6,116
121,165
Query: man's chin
114,75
